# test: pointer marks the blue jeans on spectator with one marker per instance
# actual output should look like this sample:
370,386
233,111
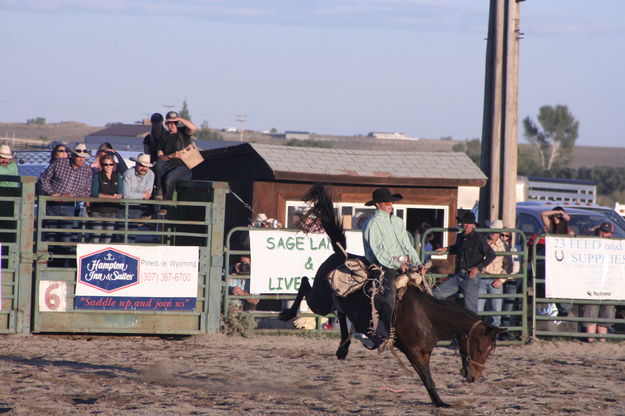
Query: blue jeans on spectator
167,174
104,225
460,283
60,210
511,304
490,304
134,212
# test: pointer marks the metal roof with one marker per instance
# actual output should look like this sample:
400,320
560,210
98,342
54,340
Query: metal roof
126,130
365,166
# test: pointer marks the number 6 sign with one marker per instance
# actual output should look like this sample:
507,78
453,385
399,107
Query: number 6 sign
52,296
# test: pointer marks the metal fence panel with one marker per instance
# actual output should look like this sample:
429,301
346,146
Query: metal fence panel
186,223
548,316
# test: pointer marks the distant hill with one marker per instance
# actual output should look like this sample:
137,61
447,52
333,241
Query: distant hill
67,131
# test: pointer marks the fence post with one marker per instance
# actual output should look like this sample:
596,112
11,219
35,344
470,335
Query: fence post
214,277
25,272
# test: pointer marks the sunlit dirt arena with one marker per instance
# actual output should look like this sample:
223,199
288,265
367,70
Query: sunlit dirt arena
290,375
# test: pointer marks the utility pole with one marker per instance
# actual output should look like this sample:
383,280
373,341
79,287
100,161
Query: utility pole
500,120
241,118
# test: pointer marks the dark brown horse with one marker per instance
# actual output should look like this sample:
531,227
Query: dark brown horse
421,320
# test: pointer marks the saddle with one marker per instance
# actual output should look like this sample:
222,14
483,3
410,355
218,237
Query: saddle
413,278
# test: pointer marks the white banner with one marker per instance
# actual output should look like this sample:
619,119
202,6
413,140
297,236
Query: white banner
584,268
281,258
136,277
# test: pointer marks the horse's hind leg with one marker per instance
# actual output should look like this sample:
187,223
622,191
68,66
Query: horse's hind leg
420,361
304,291
343,349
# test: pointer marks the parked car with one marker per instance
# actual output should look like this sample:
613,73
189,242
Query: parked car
529,220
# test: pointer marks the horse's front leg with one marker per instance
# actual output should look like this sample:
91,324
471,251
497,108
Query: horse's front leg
420,361
343,349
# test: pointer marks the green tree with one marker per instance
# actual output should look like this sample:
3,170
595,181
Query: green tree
307,143
38,120
556,139
528,161
206,133
472,147
184,113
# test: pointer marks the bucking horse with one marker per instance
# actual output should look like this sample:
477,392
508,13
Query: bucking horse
420,320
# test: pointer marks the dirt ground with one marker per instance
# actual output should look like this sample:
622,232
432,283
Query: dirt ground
290,375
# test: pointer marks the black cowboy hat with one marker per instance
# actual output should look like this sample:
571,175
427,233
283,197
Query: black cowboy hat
467,218
383,195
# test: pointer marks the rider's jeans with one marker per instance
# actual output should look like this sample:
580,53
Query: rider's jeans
460,283
384,303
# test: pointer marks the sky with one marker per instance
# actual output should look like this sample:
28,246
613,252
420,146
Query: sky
325,66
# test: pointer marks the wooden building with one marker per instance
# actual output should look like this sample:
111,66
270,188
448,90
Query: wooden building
273,179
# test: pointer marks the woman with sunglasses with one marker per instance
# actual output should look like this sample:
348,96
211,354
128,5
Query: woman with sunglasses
59,152
107,148
107,184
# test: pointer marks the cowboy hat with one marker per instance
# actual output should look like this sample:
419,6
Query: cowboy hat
496,224
467,218
80,150
5,152
143,159
383,195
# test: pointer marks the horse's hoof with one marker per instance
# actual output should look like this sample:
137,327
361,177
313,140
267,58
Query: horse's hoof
341,354
442,404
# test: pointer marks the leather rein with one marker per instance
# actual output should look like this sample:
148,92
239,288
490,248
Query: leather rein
467,357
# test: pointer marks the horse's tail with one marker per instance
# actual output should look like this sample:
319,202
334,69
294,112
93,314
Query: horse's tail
321,208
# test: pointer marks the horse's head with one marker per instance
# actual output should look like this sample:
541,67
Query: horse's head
475,347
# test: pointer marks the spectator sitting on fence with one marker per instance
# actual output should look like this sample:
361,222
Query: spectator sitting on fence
493,286
556,221
169,168
240,287
66,177
603,230
138,183
103,150
107,184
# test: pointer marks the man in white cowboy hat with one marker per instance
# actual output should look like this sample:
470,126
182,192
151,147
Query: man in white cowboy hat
169,168
386,243
500,265
7,166
138,182
472,254
67,177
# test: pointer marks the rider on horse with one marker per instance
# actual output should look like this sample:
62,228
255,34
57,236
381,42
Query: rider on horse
387,244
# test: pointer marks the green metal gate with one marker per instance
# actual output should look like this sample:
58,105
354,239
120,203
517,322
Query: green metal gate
195,219
16,240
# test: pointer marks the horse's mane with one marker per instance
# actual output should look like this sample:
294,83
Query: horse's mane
321,208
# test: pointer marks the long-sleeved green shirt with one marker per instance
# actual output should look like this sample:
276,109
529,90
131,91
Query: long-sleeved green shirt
385,240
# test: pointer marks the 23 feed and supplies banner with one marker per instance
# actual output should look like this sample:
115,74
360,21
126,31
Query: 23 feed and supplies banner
124,277
584,268
281,258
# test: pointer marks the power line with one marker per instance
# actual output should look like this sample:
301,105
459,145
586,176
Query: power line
241,118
